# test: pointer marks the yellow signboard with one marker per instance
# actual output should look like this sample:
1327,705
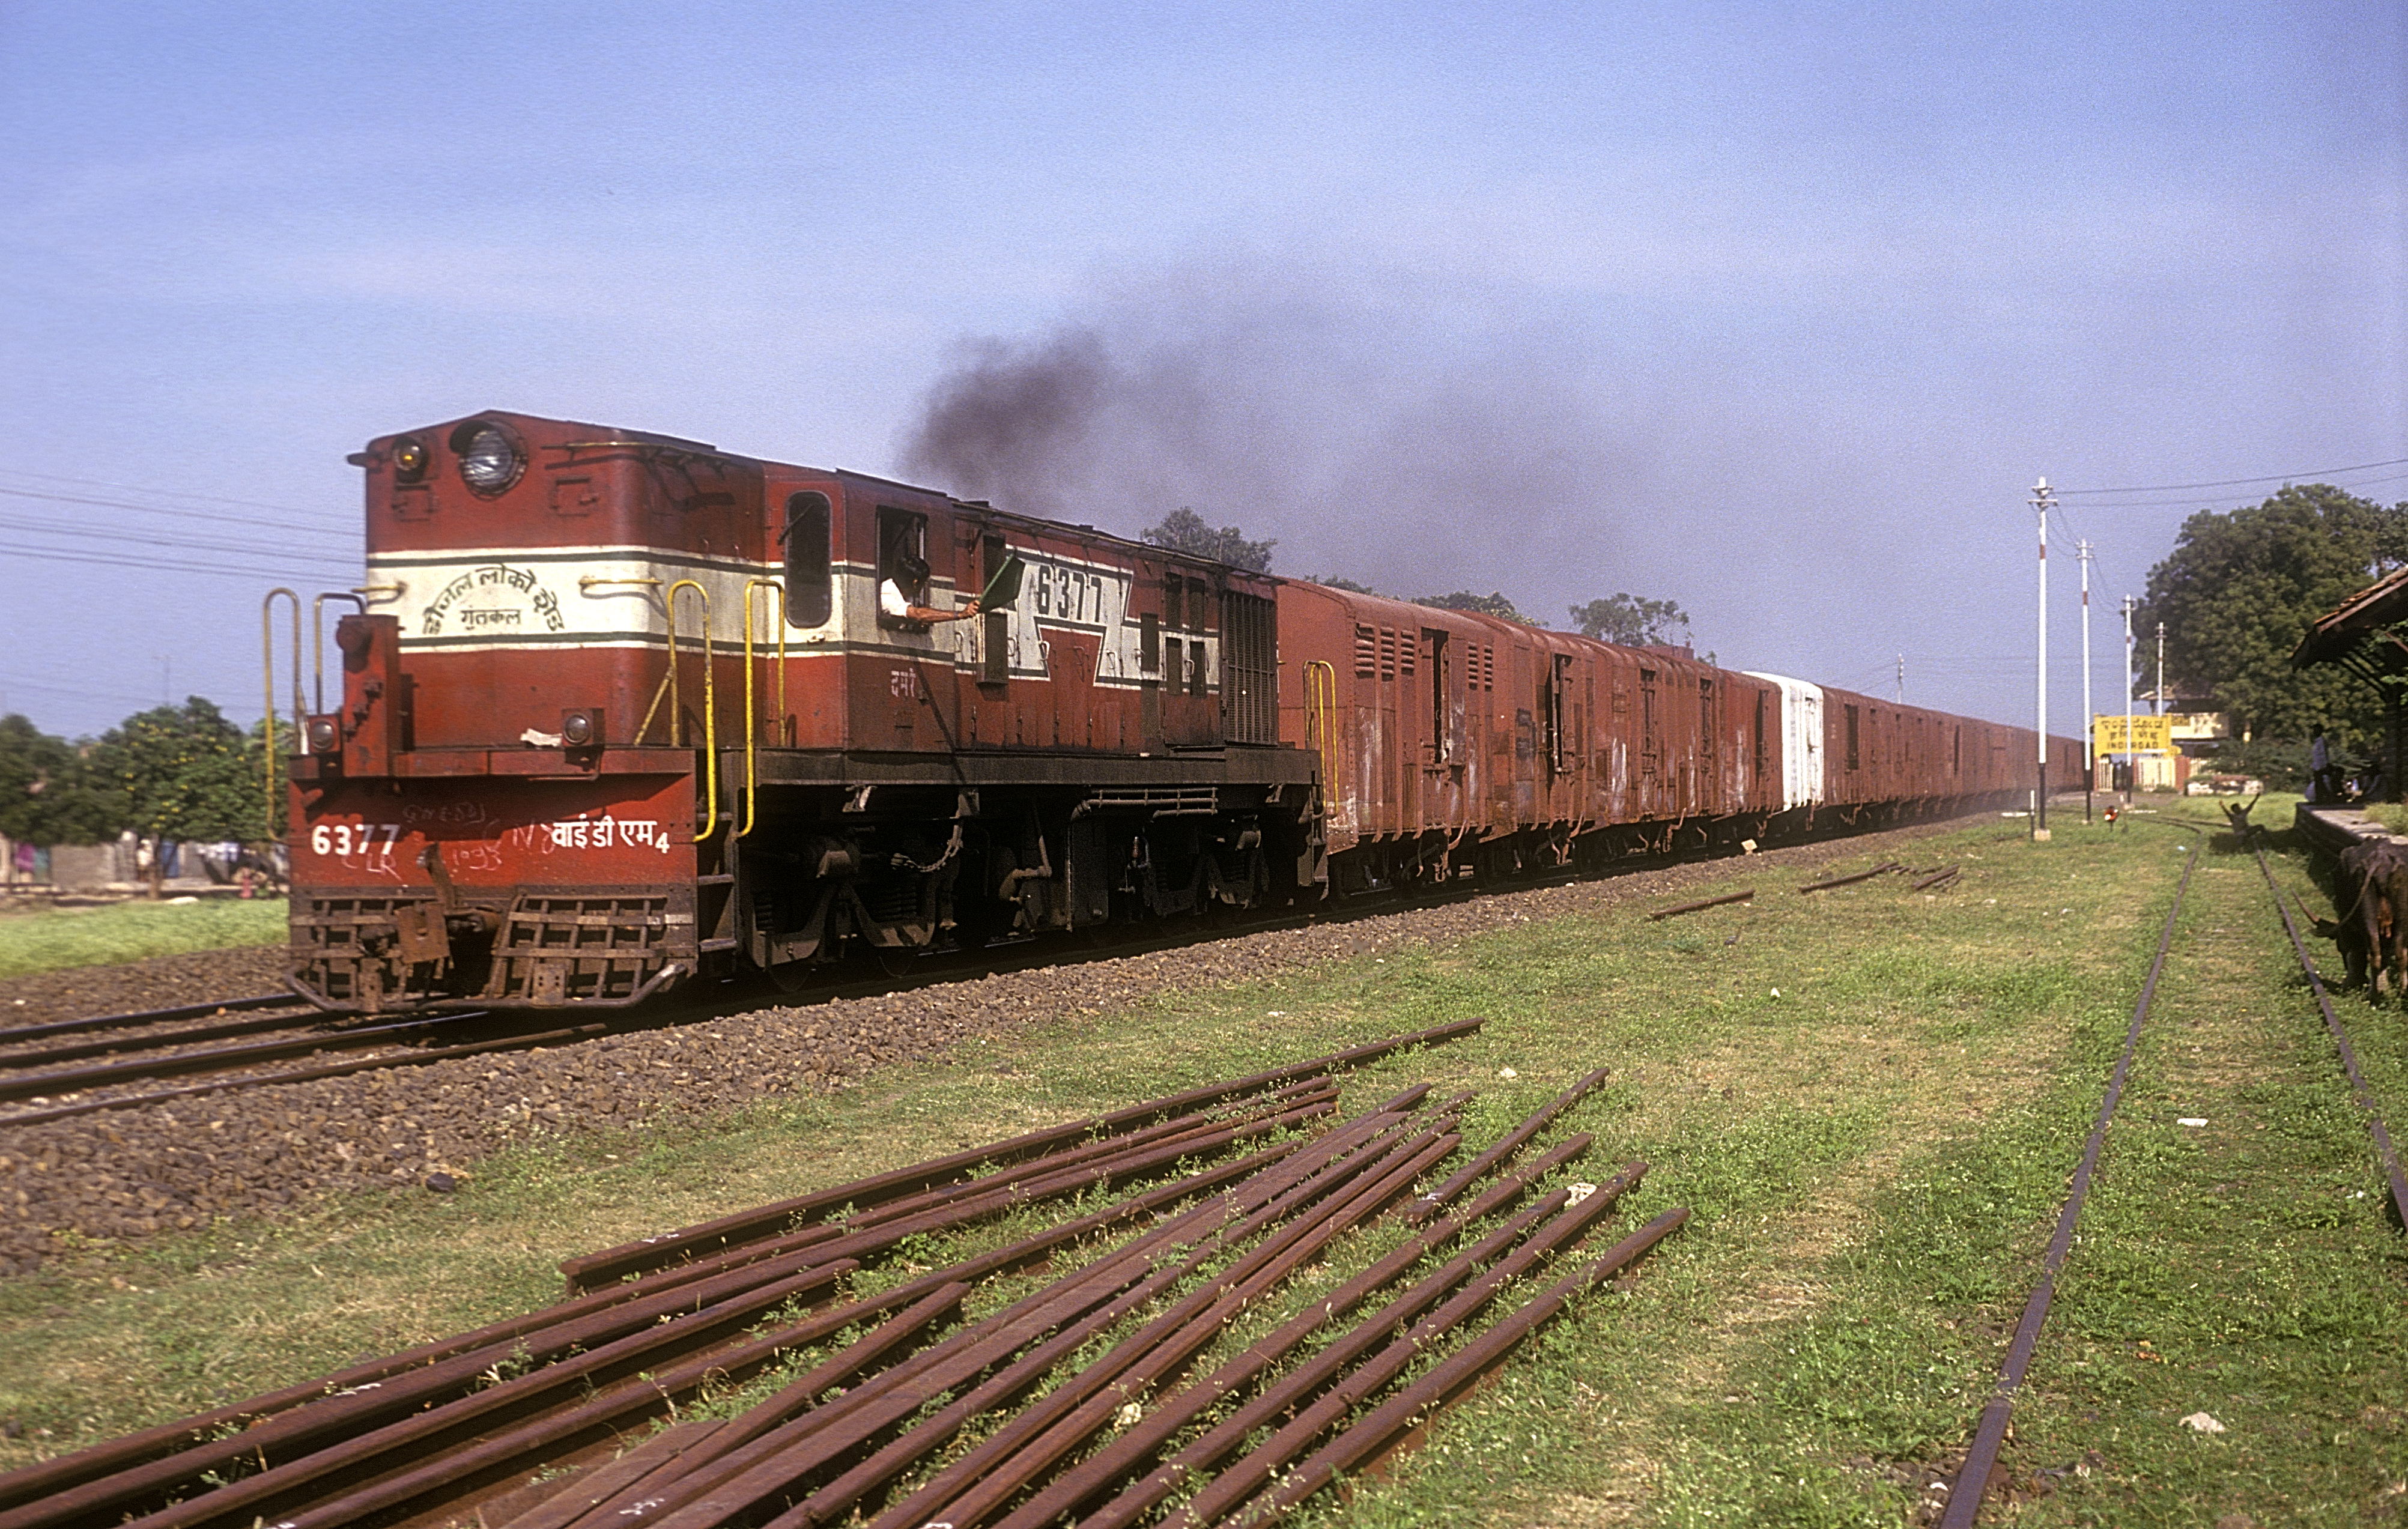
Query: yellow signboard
2149,735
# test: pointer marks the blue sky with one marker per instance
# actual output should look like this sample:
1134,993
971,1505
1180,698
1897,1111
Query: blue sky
1776,311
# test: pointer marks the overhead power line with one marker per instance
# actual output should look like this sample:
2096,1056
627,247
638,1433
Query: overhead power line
156,564
321,529
184,544
172,494
2239,482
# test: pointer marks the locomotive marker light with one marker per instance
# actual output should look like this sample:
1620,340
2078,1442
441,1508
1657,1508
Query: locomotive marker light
2044,499
325,734
581,728
409,459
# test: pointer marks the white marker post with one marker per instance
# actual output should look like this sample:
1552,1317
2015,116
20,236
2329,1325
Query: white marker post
2044,499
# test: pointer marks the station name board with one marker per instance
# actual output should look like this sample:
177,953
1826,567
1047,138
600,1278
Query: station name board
2148,734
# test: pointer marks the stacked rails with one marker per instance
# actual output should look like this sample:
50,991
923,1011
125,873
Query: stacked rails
1069,1400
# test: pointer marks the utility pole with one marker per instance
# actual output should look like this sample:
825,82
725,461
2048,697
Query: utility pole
2132,761
2044,499
1901,679
2089,731
2162,668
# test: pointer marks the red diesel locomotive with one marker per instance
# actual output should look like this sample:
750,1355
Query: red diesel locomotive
622,710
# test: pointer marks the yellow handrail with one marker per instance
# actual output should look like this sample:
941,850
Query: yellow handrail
1320,713
752,768
267,689
709,705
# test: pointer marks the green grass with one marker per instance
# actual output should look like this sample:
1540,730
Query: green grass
54,938
1875,1158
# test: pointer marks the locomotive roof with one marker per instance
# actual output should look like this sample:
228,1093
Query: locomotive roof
616,435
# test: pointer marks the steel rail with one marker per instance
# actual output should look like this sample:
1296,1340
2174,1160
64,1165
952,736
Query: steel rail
1000,1466
590,1269
536,1041
1271,1262
1140,1440
2384,1153
1882,869
153,1016
1680,908
491,1454
1379,1431
1280,1396
1193,1128
161,1040
277,1492
112,1477
1973,1477
877,1233
77,1080
1290,1391
769,1467
1381,1361
761,1421
769,1429
1513,1142
1147,1434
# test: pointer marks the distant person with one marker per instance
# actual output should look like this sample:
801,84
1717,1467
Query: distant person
900,595
2320,771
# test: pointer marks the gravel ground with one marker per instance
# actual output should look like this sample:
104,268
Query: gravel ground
124,1175
160,982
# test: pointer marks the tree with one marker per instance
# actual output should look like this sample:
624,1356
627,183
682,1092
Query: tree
1332,582
46,796
181,773
1183,531
1632,622
2240,589
1490,604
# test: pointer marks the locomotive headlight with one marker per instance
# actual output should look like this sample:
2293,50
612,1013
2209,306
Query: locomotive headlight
409,459
490,459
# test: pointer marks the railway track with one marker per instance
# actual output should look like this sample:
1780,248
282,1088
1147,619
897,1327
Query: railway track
1973,1480
39,1081
1211,1203
124,1055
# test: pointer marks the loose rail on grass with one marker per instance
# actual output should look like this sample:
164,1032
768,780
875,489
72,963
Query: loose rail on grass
1882,869
1710,902
1226,1194
1965,1494
2384,1153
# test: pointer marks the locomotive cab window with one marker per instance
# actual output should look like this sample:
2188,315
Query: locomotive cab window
902,567
994,638
811,592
